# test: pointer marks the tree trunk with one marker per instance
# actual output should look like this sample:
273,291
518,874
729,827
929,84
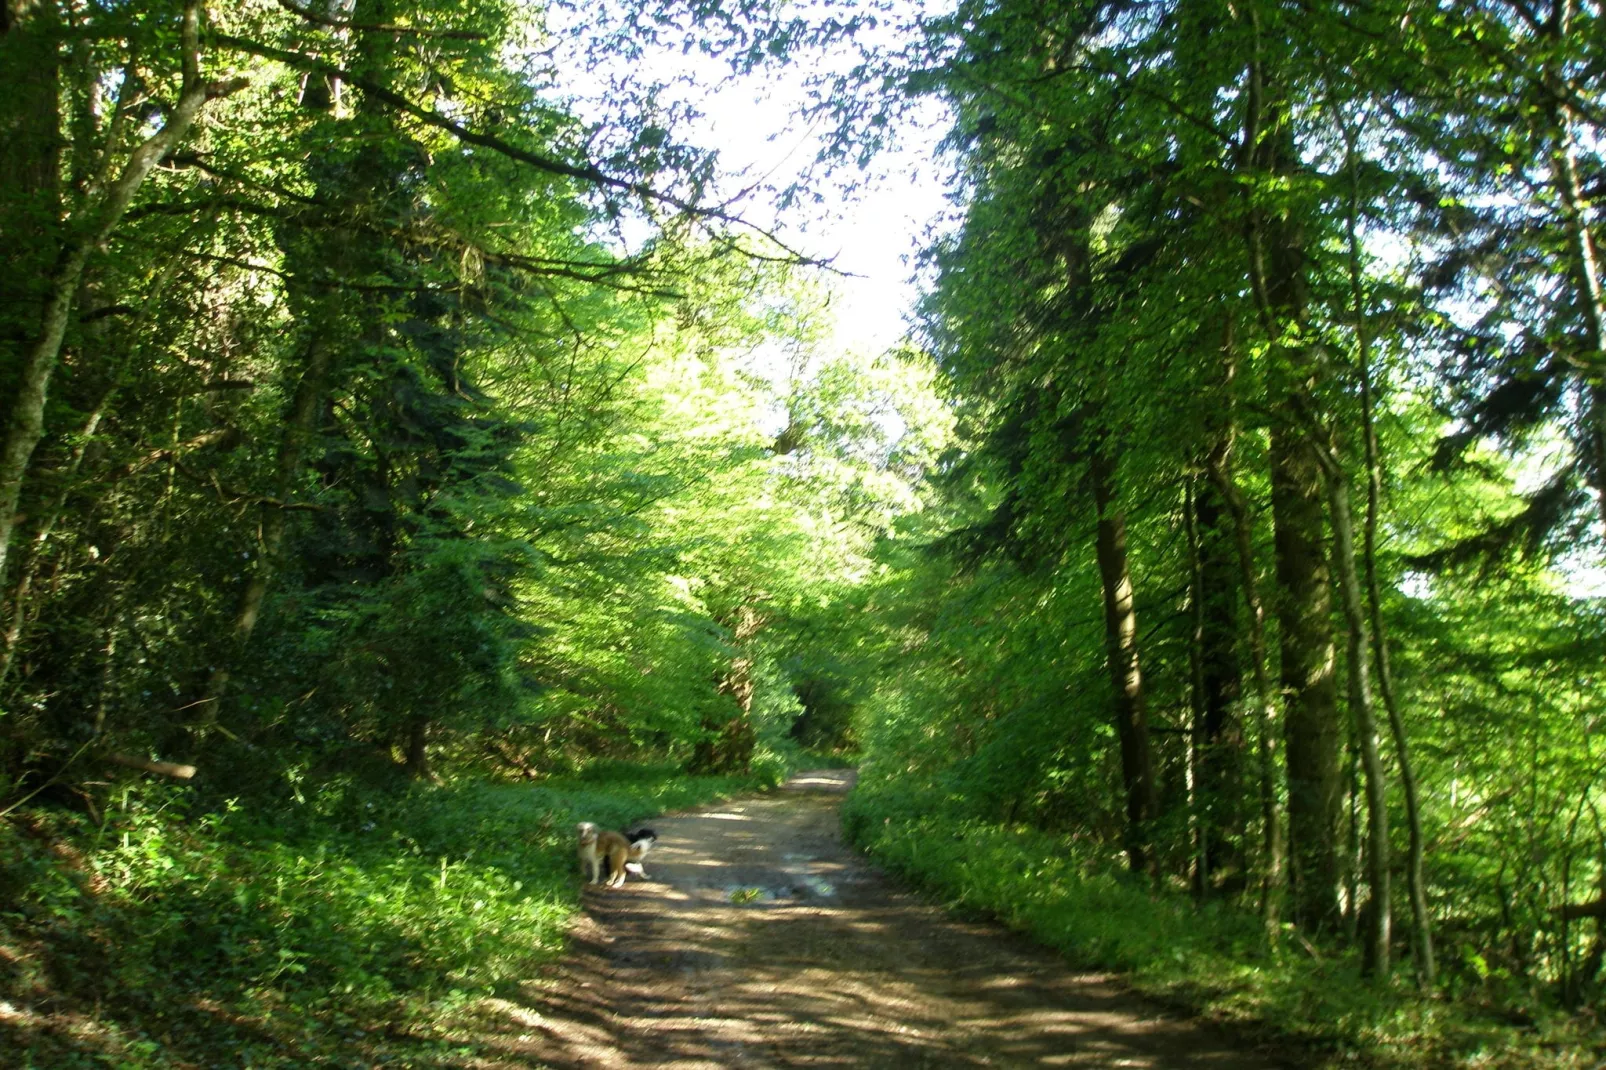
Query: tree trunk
1220,737
418,748
1311,725
1218,465
92,226
1265,707
108,662
1352,844
1199,831
1379,913
1275,247
30,184
46,527
298,431
1421,922
1586,255
1121,654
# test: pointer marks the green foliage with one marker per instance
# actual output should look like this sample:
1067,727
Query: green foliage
390,443
1204,246
1213,959
266,938
409,423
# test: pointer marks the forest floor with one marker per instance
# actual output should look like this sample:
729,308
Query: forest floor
762,940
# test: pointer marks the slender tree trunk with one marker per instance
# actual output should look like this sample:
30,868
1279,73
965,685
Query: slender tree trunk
1221,737
1421,921
1265,708
1352,844
298,432
93,226
47,527
1219,468
1198,820
1379,914
108,664
30,163
1586,259
727,745
418,748
1587,269
1121,650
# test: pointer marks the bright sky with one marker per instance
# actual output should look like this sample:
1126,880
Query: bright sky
872,235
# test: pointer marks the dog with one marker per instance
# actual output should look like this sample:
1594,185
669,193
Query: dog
602,850
641,842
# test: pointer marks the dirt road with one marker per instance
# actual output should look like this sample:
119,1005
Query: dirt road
761,940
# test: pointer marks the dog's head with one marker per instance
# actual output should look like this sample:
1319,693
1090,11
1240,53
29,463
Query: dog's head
587,833
640,841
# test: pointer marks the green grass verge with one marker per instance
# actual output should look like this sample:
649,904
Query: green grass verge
348,930
1208,959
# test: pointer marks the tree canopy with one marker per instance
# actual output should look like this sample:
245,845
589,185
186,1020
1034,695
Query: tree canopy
1231,518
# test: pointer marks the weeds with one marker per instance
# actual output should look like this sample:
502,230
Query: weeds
354,926
1207,958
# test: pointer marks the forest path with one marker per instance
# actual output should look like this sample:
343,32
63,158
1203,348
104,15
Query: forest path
762,940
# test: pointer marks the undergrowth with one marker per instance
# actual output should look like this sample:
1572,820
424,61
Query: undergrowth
1211,958
347,929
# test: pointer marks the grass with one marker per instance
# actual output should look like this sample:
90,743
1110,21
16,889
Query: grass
1208,959
353,928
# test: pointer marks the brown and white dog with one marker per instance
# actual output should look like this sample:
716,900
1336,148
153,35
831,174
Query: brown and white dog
599,848
607,854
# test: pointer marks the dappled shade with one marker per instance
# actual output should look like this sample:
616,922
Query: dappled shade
762,940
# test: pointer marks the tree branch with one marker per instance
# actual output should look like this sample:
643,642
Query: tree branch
1573,911
377,27
145,765
103,210
588,173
